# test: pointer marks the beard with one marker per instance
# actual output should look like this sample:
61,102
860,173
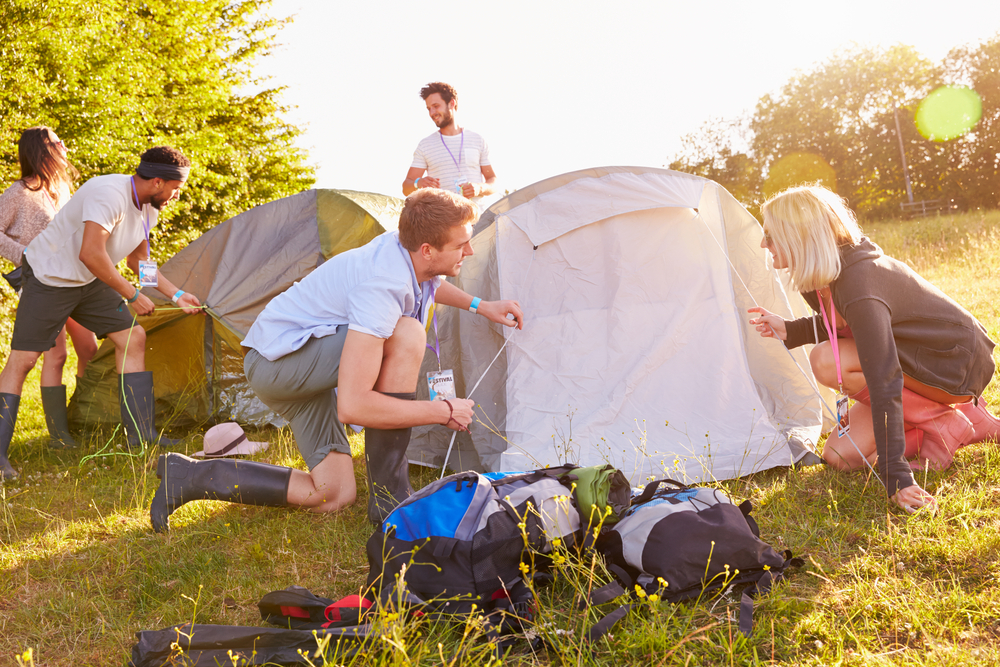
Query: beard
158,203
446,119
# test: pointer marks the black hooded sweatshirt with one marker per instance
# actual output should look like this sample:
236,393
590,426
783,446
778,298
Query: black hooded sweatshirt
901,324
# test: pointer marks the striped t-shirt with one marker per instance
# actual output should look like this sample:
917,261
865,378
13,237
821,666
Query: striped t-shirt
462,165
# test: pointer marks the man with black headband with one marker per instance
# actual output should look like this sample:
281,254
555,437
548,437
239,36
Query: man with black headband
69,271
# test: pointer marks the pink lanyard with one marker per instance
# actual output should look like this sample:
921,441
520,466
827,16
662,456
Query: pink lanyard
833,338
51,201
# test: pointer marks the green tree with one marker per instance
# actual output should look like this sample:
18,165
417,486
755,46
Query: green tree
718,151
835,124
972,175
115,78
842,113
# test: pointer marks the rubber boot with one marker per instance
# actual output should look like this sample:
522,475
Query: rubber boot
138,408
914,435
862,397
914,441
8,417
945,429
388,467
54,406
184,479
987,426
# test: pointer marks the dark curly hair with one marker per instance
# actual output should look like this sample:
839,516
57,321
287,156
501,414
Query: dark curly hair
165,155
446,92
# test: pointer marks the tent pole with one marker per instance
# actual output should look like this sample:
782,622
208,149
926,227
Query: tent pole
479,381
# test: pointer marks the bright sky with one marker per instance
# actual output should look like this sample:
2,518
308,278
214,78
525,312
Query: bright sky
560,86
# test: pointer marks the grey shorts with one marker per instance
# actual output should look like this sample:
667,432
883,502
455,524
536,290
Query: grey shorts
300,387
43,310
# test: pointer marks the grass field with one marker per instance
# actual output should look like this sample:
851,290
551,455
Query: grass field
82,571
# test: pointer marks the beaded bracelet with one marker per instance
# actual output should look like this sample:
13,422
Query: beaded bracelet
451,417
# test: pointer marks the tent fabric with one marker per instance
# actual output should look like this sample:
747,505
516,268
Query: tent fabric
636,349
235,268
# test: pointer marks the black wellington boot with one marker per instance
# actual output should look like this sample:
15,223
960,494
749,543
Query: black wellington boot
8,417
54,405
135,395
184,479
388,467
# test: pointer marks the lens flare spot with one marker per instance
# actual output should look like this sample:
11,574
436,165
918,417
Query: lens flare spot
948,112
799,169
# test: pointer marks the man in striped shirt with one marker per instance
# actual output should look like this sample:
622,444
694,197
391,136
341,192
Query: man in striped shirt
453,158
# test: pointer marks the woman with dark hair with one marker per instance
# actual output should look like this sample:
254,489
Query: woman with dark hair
26,208
915,361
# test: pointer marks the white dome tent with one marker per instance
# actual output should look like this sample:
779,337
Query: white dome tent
636,349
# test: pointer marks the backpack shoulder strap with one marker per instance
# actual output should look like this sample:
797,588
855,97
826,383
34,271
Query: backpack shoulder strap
605,593
647,493
746,507
534,475
760,587
602,627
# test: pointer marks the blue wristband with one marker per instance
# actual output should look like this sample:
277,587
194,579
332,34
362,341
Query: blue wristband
177,296
474,306
416,181
134,296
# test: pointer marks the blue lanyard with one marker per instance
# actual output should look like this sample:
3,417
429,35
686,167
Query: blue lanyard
461,149
437,343
144,210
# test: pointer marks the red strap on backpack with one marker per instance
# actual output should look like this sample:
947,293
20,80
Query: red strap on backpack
294,612
350,602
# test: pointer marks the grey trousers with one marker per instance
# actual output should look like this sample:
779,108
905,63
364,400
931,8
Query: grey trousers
300,387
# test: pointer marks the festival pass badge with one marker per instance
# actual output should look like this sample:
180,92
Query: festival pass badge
147,273
843,416
441,385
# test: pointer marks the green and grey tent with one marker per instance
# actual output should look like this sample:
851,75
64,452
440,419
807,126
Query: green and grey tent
235,268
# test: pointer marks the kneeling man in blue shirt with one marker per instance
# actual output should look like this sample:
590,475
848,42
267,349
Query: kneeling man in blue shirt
358,323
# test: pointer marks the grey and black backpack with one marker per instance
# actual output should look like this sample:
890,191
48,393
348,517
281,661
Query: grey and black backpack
681,542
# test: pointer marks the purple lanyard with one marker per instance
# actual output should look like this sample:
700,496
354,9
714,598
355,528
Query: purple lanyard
143,209
833,337
461,149
434,318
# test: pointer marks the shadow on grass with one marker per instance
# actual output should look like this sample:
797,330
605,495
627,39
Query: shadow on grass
84,570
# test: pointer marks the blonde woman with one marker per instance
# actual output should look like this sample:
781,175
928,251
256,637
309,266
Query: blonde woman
915,361
26,208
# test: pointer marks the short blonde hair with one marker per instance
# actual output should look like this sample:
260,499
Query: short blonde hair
808,225
428,216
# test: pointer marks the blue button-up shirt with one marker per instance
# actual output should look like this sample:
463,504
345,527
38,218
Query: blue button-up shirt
366,289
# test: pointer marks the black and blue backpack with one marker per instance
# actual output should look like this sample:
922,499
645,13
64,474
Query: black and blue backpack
458,543
681,542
